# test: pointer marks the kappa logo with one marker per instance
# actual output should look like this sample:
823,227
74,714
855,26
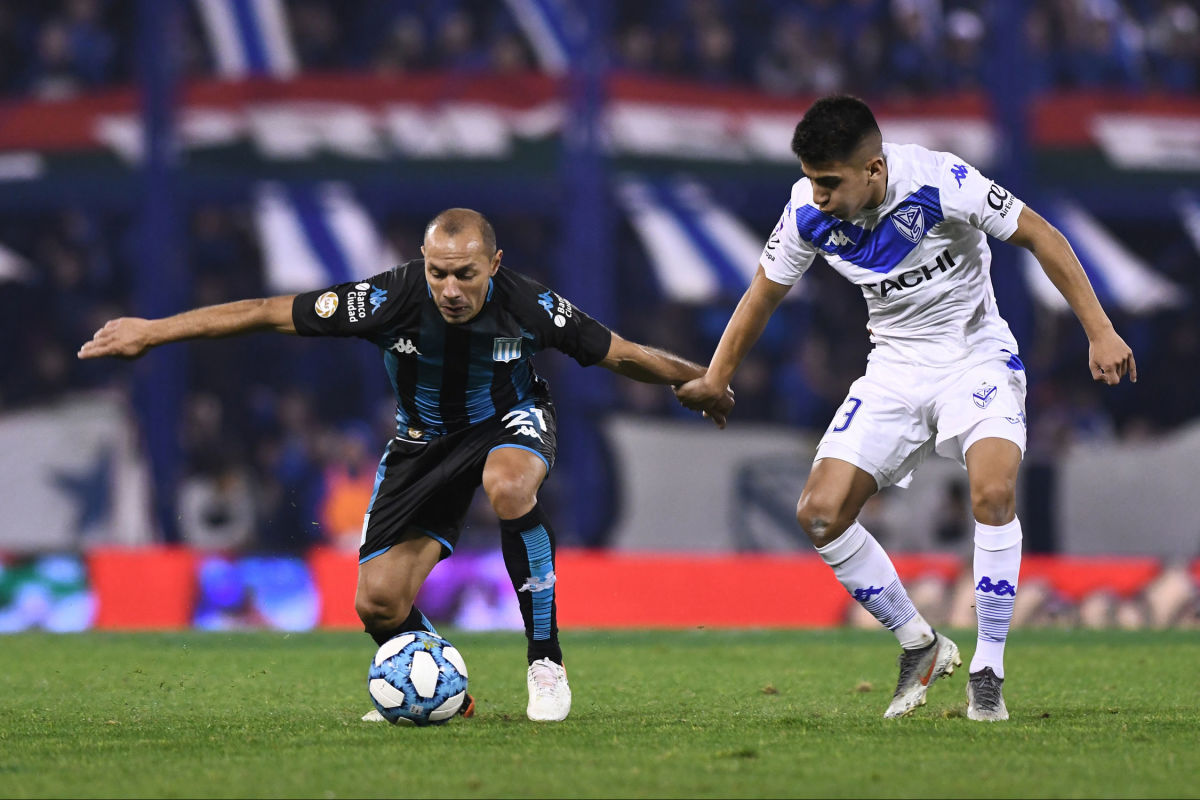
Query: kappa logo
839,239
505,350
404,347
863,595
999,588
378,298
910,221
959,171
984,395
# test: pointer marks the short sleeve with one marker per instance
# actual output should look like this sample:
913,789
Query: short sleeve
561,325
970,197
358,308
786,256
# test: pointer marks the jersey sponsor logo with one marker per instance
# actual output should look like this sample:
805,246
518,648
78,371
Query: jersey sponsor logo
1000,588
378,298
356,302
984,395
910,221
914,277
959,171
326,304
558,308
527,421
505,350
839,239
999,199
404,347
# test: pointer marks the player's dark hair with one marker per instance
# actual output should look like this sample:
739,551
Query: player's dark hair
832,129
457,220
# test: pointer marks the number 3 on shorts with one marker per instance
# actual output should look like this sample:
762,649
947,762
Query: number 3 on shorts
851,405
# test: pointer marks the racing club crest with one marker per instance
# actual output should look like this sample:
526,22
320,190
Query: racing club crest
910,221
504,350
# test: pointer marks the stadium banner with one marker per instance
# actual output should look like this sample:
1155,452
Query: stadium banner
175,588
74,477
436,126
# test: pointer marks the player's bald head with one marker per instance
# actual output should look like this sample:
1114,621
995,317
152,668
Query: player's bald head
839,129
454,221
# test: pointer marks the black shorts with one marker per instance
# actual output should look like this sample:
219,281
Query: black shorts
425,487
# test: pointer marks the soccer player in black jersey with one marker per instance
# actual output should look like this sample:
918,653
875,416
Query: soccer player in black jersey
457,331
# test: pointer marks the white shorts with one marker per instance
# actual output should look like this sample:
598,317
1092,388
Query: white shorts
897,414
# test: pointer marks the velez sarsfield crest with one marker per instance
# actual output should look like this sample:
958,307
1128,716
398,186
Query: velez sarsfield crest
910,221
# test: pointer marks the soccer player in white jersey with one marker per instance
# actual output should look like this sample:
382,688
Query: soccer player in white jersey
909,227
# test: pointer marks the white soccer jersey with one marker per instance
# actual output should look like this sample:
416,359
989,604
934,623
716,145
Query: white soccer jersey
921,257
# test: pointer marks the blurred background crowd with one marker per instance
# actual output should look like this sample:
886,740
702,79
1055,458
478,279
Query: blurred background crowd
274,460
57,48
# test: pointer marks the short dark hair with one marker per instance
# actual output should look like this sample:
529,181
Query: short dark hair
832,129
457,220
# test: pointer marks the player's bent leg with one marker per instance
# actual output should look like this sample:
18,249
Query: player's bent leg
832,499
992,466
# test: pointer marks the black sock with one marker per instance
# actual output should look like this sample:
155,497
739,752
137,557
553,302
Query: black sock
528,546
415,621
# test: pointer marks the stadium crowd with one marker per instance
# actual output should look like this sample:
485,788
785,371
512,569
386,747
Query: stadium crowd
55,49
274,463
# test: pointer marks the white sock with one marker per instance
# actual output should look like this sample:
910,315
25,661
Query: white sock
862,566
997,565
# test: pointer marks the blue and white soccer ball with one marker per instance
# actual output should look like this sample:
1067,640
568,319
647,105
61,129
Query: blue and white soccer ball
417,678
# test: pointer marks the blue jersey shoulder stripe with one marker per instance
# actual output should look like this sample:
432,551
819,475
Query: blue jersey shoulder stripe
884,246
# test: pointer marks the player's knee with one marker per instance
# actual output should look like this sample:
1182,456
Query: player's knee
381,612
510,497
994,502
820,518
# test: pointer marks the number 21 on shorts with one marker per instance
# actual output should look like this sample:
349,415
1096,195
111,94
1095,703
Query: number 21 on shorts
846,414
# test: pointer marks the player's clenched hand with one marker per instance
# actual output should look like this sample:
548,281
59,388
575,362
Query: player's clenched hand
1110,358
713,401
127,337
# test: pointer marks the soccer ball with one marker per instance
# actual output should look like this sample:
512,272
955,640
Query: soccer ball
417,678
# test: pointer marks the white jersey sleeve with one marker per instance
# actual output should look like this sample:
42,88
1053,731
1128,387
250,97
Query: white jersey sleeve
786,256
968,196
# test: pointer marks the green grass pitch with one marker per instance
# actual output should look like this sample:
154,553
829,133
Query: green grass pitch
696,713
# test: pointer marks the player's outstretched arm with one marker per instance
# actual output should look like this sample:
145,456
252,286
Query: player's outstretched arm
744,327
130,337
652,365
1109,358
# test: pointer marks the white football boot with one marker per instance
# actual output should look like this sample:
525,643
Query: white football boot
549,692
918,669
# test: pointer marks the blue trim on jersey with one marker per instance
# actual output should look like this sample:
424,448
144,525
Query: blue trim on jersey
523,447
491,288
428,394
1014,362
378,480
319,236
880,249
442,541
365,559
727,271
541,566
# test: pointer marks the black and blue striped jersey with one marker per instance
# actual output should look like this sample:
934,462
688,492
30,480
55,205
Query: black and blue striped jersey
447,377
